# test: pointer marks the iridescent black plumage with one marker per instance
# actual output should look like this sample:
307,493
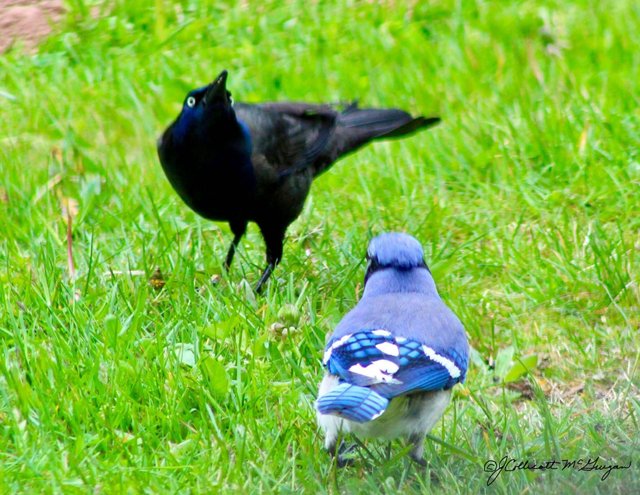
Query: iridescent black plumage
256,162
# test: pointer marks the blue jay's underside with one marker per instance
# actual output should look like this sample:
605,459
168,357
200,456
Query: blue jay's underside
393,359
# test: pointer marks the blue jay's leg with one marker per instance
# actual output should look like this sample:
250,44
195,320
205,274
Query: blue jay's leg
342,451
417,448
238,228
425,409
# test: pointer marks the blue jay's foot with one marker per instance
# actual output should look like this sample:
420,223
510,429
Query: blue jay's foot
342,454
417,450
344,461
419,460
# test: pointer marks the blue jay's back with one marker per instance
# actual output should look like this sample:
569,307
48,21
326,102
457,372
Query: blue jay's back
392,360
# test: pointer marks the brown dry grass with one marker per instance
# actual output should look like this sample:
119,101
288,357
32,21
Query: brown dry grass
27,22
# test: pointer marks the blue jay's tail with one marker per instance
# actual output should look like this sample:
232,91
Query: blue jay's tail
359,404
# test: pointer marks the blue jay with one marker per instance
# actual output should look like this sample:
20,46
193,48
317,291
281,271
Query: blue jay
393,359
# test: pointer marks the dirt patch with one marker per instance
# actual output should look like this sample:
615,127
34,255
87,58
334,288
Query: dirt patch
27,21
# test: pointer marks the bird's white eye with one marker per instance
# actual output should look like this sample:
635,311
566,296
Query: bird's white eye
191,101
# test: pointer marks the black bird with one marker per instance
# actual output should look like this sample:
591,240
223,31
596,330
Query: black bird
255,162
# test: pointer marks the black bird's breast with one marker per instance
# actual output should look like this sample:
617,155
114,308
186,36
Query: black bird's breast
214,177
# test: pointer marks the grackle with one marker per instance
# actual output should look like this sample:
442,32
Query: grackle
240,162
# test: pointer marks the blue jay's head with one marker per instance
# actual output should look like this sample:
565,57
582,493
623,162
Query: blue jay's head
207,106
394,250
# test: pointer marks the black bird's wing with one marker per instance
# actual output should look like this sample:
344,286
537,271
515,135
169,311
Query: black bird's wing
356,126
290,136
295,136
300,109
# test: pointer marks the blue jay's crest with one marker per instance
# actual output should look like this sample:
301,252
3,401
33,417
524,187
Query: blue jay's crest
394,250
392,365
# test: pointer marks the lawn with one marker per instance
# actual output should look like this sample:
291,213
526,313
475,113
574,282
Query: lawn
118,378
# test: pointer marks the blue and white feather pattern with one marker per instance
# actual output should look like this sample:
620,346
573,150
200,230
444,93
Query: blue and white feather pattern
393,359
375,366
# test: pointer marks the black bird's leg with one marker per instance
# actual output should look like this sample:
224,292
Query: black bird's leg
264,277
273,238
238,229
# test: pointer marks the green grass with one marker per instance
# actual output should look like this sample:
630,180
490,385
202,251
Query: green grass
526,198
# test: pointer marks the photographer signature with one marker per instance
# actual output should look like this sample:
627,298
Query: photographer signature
507,464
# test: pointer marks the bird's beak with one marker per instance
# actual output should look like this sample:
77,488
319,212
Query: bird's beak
217,90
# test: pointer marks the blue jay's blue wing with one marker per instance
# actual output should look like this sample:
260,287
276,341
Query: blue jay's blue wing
352,402
392,365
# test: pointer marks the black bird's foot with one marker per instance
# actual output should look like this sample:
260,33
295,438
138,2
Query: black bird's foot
265,276
227,263
230,254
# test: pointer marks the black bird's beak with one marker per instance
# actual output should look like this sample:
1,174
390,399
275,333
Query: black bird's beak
217,90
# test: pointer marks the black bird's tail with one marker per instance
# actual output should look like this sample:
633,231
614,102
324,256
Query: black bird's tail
357,126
